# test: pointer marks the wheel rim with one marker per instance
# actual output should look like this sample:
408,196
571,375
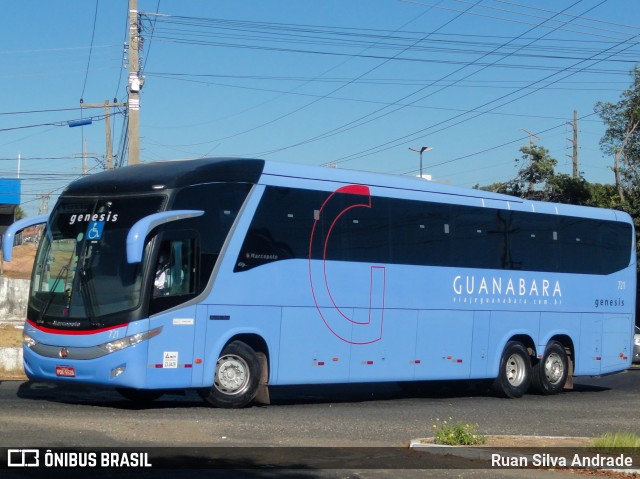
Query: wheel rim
232,375
554,368
515,370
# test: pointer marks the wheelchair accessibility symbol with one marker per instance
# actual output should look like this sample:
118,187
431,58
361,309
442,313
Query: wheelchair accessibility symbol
94,231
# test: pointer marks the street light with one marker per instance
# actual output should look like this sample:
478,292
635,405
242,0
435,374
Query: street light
421,151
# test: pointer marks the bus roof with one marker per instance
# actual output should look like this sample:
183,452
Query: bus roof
168,174
147,177
397,182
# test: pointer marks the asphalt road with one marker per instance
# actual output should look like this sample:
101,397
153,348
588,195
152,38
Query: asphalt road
363,416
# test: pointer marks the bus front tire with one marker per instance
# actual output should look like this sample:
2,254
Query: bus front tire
514,374
236,378
550,373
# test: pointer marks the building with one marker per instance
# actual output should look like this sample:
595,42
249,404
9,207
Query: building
9,201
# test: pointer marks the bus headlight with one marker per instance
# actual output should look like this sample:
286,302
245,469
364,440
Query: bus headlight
28,341
123,343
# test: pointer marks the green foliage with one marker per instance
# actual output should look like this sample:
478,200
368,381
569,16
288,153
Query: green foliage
536,172
603,196
537,180
458,434
617,439
562,188
622,142
623,127
19,214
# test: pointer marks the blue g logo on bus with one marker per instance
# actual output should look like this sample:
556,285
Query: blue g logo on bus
345,325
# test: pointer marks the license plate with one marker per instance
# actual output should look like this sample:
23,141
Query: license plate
65,371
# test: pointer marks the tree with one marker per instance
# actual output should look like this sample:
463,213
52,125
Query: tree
603,196
19,214
537,180
563,188
536,171
622,141
622,137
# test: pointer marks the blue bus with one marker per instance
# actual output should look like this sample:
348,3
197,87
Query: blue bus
230,275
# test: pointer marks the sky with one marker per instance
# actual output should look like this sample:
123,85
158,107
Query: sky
348,83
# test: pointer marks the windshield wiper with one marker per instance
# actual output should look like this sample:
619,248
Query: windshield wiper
88,295
53,292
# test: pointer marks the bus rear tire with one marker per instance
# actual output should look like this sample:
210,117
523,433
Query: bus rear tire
549,375
236,378
514,374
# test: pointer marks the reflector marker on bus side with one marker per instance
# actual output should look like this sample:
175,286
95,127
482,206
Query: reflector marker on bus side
161,366
451,358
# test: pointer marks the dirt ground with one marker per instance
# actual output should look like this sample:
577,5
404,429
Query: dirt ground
21,263
10,336
19,268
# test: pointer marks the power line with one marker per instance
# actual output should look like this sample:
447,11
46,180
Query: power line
385,146
93,33
294,31
50,110
374,115
199,25
362,75
153,30
528,15
53,123
497,147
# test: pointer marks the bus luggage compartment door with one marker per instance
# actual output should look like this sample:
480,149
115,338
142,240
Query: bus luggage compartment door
170,360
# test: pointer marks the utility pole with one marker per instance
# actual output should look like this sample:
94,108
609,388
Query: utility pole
84,155
135,84
107,126
574,156
44,203
531,137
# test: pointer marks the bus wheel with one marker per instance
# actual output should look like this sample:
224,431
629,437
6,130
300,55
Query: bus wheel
514,374
550,374
140,395
236,378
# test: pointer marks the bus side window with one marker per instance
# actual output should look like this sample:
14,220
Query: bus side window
175,269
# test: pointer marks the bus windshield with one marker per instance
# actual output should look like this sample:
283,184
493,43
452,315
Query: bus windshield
81,269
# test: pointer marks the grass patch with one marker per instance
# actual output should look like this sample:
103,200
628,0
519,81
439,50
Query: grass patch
616,439
457,434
